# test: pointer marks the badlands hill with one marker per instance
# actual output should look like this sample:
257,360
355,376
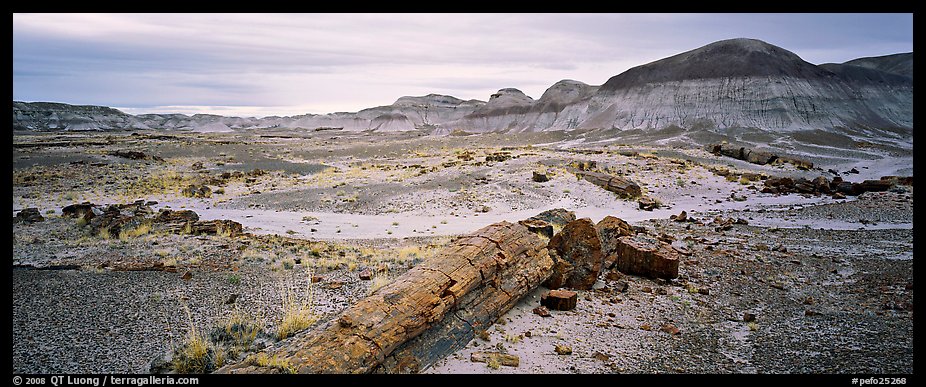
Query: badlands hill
736,83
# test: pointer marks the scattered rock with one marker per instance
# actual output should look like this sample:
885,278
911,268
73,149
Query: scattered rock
601,356
822,184
639,255
542,311
749,317
670,329
29,215
558,299
335,284
647,204
80,210
135,155
621,286
540,177
498,157
495,358
613,275
610,230
577,244
366,275
871,186
197,191
557,217
624,188
171,216
563,350
538,226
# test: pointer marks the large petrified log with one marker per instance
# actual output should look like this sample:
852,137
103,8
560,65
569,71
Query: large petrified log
757,156
578,256
425,314
619,185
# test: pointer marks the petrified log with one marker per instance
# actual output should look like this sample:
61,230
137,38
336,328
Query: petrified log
640,255
578,245
425,314
79,210
169,216
203,227
619,185
610,230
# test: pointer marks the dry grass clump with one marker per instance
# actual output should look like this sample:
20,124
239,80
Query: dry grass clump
298,313
196,354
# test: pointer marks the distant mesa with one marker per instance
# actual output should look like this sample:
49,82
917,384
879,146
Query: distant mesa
734,83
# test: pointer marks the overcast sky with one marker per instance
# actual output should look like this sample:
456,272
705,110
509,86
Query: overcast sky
286,64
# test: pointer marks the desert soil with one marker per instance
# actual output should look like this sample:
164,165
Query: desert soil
830,282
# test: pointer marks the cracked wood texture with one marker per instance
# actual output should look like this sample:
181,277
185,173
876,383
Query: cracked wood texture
428,312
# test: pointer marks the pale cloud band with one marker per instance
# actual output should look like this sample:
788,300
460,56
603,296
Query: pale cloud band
284,64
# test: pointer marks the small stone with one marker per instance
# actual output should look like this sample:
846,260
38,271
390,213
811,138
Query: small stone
811,313
613,275
646,327
495,358
317,279
646,289
563,350
231,299
528,334
749,317
559,299
335,285
30,215
542,311
366,275
681,217
670,329
621,286
540,177
647,204
601,356
187,276
704,291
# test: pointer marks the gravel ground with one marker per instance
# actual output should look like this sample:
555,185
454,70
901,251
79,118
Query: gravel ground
837,301
830,281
